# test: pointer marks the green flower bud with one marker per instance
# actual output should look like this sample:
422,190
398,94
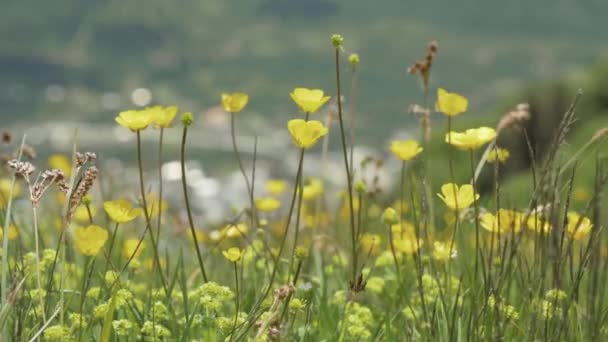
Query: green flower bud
353,59
390,216
301,252
187,119
337,40
360,186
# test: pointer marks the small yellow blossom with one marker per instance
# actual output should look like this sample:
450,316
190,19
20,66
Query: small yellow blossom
313,189
499,154
407,244
405,149
308,100
506,221
451,104
370,243
442,251
61,162
121,211
234,102
233,254
12,233
579,226
390,216
471,139
130,250
276,187
458,197
81,214
236,230
267,204
305,134
90,240
538,224
135,120
162,117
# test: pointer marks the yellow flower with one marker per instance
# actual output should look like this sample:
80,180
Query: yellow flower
5,190
458,197
234,102
499,154
135,120
90,240
451,104
506,221
442,252
12,233
233,254
370,243
312,190
121,211
471,139
308,100
162,117
578,226
61,162
129,246
407,244
267,204
390,216
236,230
81,214
538,224
276,186
305,134
405,149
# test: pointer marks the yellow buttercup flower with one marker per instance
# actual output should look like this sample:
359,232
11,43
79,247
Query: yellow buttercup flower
233,254
458,197
12,233
5,190
499,154
308,100
267,204
90,240
61,162
451,104
162,117
235,230
579,226
538,224
442,252
305,134
407,244
370,243
234,102
313,189
506,221
405,149
121,211
276,186
129,249
135,120
471,139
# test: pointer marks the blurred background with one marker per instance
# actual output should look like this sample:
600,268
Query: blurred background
77,63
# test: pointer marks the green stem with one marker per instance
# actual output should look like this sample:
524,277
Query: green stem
160,183
236,299
188,209
242,168
37,246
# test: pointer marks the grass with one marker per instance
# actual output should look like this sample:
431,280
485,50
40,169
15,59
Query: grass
360,262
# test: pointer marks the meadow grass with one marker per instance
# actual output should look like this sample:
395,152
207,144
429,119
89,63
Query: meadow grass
428,259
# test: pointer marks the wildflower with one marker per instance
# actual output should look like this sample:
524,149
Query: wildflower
458,197
578,226
405,149
375,284
78,321
301,252
110,277
150,328
337,40
122,327
267,204
187,119
407,244
56,333
471,139
354,59
538,224
130,250
276,187
100,310
83,214
556,295
61,162
505,221
370,243
232,254
93,292
162,117
121,211
297,304
90,240
135,120
442,251
390,216
499,154
312,190
12,232
236,230
308,100
451,104
234,102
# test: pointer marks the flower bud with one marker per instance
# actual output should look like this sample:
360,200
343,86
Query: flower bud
301,252
360,186
390,216
187,119
337,40
353,59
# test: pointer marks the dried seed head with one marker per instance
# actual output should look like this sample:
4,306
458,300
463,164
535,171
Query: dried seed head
517,116
433,46
600,133
24,169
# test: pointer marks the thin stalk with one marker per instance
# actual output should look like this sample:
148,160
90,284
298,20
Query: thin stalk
346,167
476,207
37,246
160,182
242,168
188,209
146,213
353,106
236,299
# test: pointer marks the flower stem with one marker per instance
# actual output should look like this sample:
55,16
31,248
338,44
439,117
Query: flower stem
236,299
347,168
37,246
188,209
242,168
160,182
